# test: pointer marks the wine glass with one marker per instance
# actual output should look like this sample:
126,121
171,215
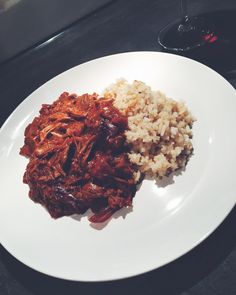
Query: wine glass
187,33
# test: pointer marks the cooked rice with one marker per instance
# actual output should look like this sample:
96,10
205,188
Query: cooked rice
159,127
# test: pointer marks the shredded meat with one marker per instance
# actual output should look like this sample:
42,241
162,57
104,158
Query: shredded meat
78,157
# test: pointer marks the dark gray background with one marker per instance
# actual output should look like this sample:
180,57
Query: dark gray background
30,21
210,268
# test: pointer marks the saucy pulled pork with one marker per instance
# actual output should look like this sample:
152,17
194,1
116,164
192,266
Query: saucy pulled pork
78,157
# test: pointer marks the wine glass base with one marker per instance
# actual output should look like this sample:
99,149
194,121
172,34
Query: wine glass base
182,36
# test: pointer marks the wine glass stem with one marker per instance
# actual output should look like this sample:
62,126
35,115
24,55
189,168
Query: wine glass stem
184,10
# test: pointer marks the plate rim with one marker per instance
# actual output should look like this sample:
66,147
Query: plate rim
5,124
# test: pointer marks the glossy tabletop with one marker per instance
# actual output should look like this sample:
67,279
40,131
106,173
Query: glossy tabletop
122,26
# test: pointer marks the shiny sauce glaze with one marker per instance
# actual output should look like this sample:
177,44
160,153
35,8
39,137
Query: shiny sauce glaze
78,158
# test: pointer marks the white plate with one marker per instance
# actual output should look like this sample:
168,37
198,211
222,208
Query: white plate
167,220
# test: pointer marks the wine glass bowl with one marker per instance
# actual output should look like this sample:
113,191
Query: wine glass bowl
187,33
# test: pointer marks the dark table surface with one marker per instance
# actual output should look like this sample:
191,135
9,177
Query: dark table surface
210,268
